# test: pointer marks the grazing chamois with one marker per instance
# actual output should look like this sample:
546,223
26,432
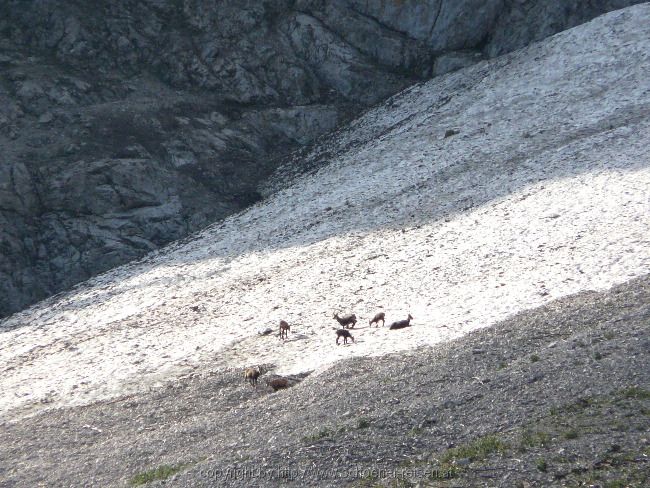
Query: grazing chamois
379,316
400,324
278,383
284,329
345,334
346,320
251,375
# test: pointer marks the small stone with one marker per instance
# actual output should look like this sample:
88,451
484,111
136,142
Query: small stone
46,118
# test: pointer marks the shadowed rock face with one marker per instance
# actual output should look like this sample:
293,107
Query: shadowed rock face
125,125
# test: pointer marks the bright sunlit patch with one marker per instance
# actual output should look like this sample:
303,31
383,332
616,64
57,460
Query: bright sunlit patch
534,199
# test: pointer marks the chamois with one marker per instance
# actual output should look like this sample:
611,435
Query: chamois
400,324
345,334
346,320
278,383
251,375
379,316
284,329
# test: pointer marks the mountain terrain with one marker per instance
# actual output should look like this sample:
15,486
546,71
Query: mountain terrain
505,206
556,396
127,125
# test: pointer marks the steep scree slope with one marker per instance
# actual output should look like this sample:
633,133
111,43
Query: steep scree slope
544,191
554,396
125,125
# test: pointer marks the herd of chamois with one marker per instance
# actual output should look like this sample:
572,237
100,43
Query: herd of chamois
346,322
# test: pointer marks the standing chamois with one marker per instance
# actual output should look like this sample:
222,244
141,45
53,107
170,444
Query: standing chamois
400,324
284,329
379,316
345,334
346,320
251,375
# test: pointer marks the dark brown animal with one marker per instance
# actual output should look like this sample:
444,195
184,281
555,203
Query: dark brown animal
278,383
284,329
400,324
346,320
345,334
251,375
380,316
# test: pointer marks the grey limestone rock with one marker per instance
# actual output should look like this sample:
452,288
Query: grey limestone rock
125,125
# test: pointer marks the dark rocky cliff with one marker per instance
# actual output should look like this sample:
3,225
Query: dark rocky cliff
125,125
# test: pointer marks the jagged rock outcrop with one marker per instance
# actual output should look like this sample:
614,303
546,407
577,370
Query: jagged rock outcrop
125,125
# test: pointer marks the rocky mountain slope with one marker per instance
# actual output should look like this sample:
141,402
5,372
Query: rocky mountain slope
557,396
462,200
126,125
515,184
